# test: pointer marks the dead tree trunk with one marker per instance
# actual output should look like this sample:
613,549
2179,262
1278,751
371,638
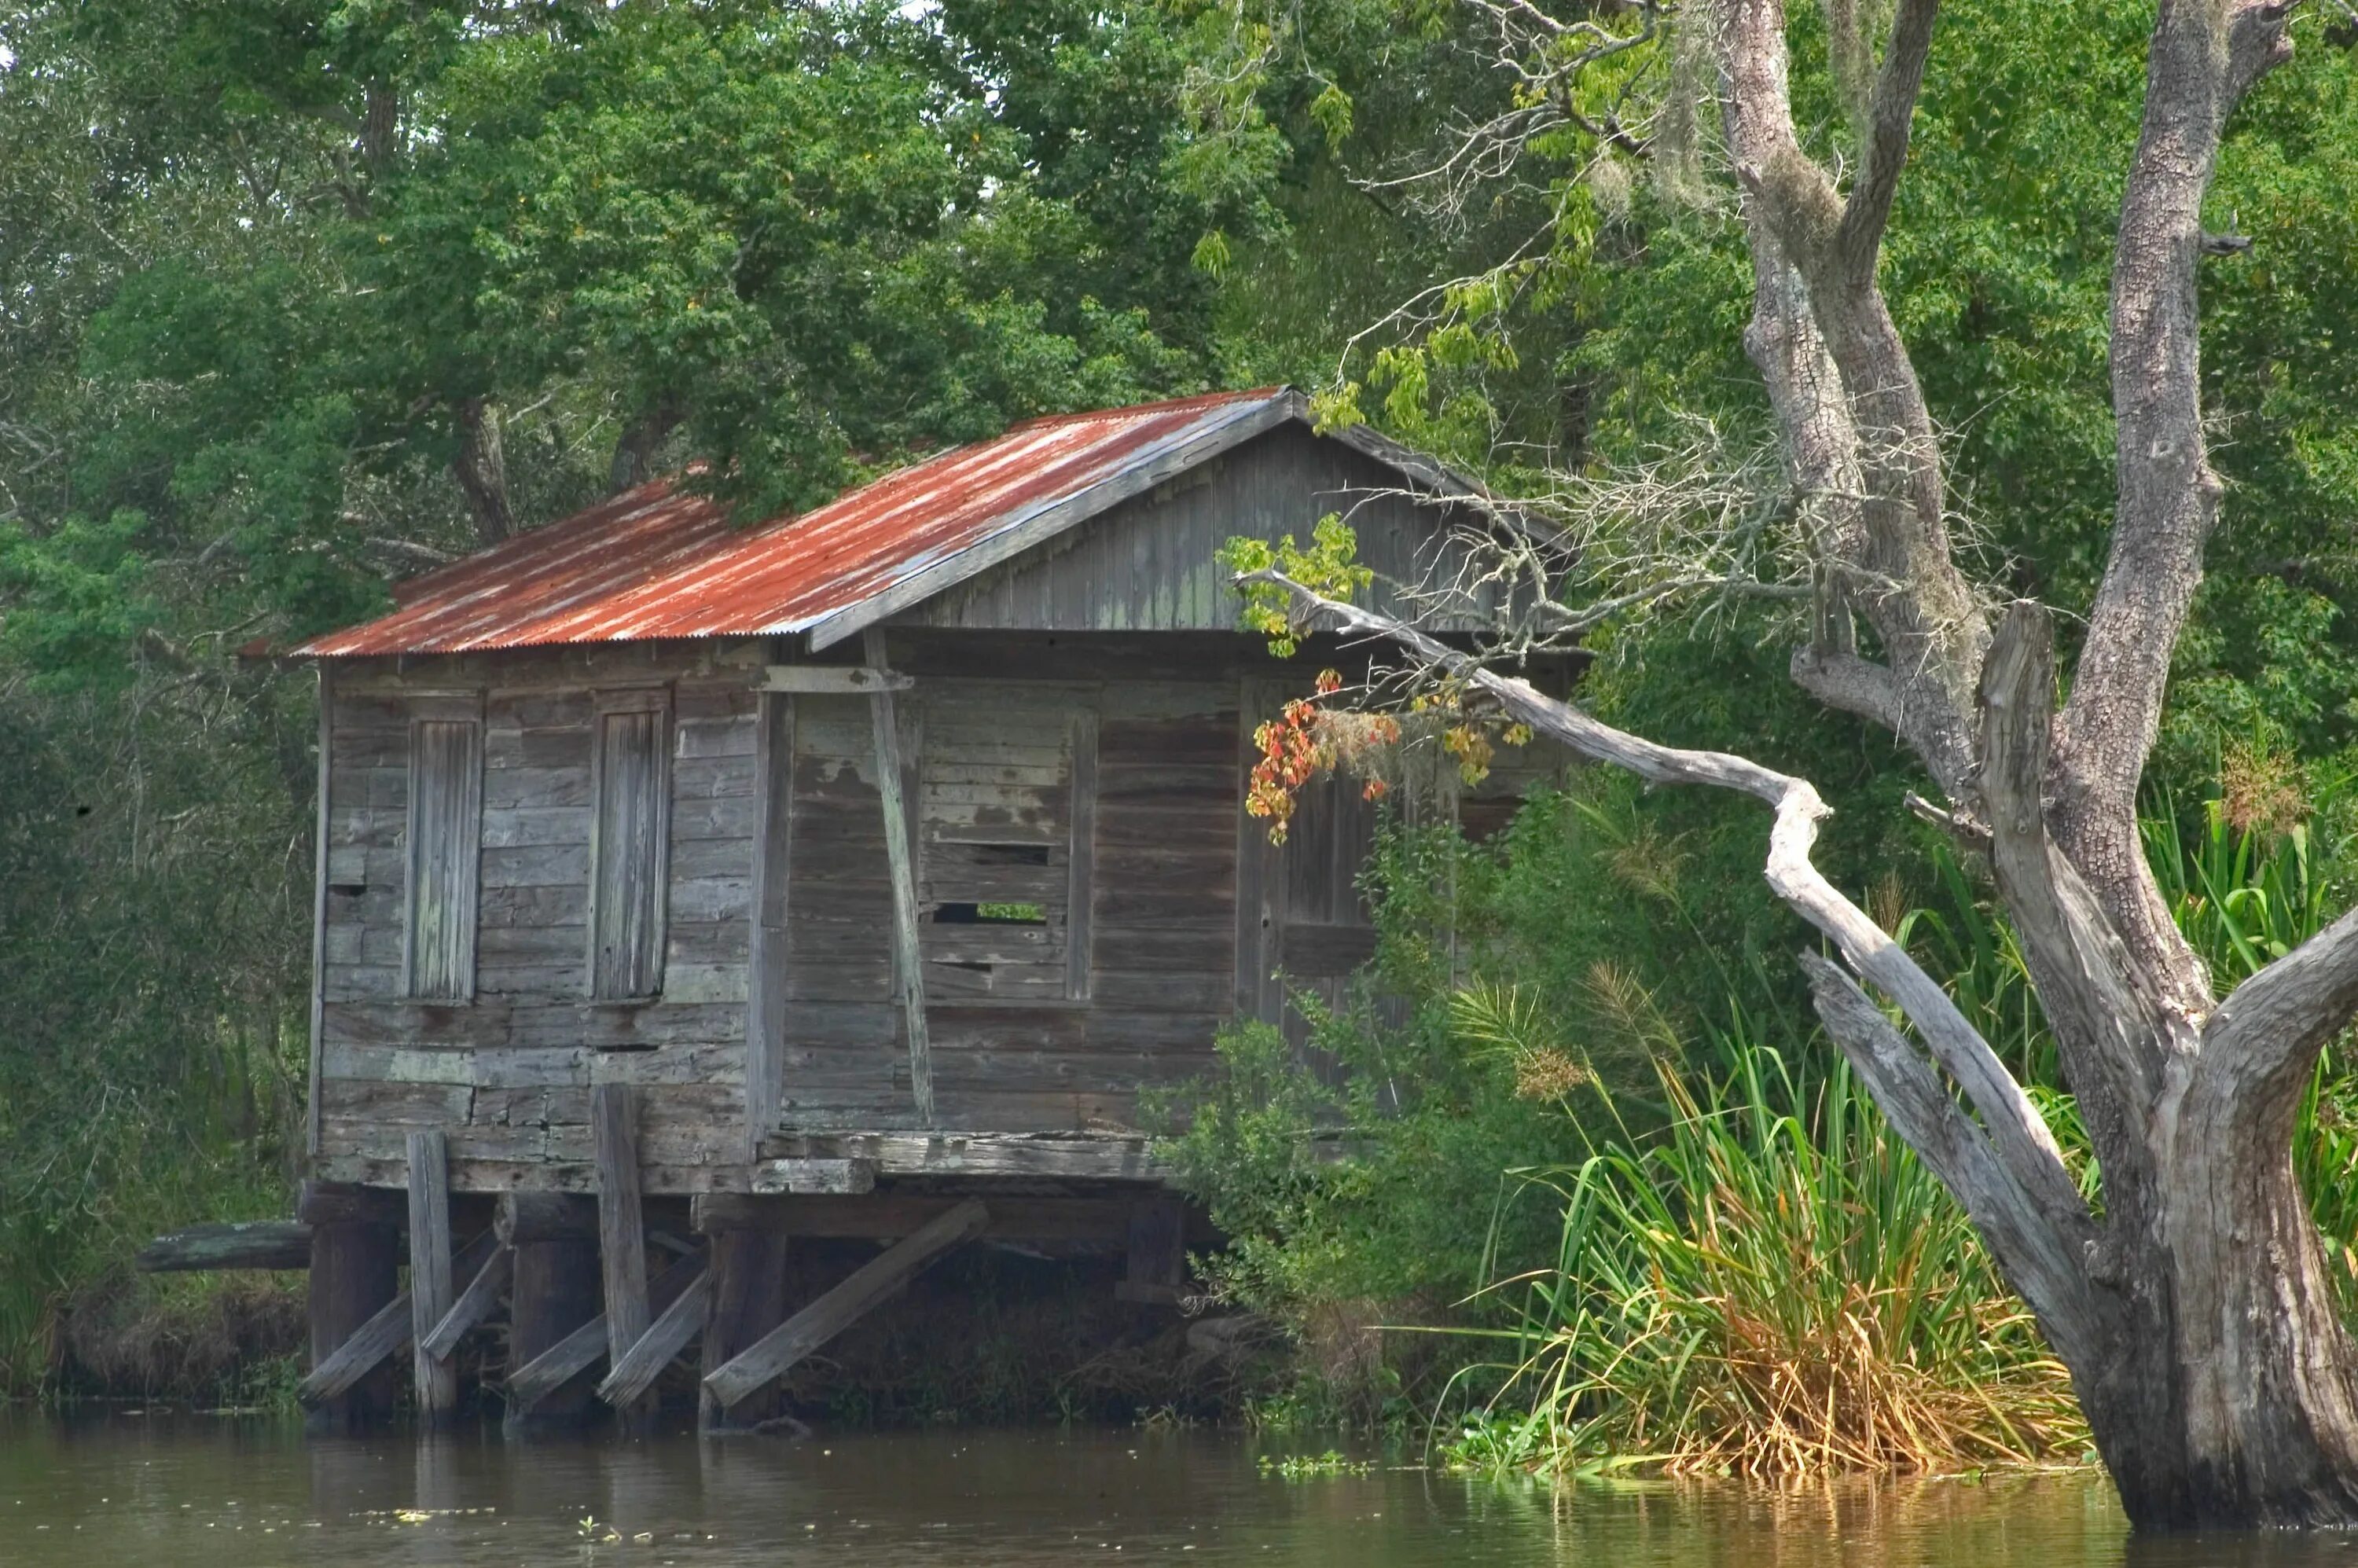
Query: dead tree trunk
2194,1309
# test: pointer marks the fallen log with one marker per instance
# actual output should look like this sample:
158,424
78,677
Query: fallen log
239,1244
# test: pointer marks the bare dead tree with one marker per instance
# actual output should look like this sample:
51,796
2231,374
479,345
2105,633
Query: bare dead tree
2193,1306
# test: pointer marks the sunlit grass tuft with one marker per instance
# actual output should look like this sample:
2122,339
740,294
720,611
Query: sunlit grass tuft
1773,1289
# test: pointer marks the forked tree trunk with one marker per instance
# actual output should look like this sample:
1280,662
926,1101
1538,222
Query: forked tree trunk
2224,1395
2195,1310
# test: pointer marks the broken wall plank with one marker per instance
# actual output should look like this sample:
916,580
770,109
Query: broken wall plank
636,1370
238,1244
776,1352
908,957
430,1289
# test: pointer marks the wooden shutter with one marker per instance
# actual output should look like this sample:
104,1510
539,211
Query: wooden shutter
628,864
446,840
1006,804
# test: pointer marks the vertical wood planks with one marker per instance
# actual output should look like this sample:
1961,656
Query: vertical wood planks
319,914
1081,863
621,1230
430,1292
908,960
630,842
446,847
765,977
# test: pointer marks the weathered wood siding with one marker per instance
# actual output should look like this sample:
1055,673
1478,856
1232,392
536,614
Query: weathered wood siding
507,1076
1094,781
1149,564
1027,1031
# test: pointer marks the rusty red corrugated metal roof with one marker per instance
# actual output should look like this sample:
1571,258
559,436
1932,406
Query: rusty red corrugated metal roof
659,561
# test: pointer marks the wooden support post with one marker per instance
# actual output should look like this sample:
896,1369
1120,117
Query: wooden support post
1080,883
1158,1253
473,1304
555,1294
577,1352
749,1299
621,1230
776,1352
355,1272
430,1290
908,953
390,1328
636,1370
765,955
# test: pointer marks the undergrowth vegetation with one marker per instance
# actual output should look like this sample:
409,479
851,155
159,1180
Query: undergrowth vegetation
1614,1201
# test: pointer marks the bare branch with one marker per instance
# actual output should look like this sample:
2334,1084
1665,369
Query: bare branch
2270,1028
2043,1259
1843,680
1890,116
2019,1133
2205,54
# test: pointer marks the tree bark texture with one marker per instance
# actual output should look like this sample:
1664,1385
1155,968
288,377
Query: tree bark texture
2193,1306
481,470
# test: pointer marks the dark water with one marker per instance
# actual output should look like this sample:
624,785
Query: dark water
123,1491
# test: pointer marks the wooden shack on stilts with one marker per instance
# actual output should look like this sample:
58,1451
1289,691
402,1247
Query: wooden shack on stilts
684,889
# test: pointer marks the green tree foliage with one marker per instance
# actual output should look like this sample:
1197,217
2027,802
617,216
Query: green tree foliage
299,297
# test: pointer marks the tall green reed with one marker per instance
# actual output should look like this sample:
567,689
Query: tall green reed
1775,1286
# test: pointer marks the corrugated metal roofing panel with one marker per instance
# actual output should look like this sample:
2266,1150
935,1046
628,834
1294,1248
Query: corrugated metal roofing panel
659,562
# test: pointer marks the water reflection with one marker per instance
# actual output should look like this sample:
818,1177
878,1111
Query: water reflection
116,1490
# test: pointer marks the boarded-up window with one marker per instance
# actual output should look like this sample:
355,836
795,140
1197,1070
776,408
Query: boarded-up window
1005,806
629,866
446,838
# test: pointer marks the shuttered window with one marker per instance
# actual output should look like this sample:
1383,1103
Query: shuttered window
1006,807
446,837
628,864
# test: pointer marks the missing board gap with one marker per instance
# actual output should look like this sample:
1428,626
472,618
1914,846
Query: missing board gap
985,913
1008,854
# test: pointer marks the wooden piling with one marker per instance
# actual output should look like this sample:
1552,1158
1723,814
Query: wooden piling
749,1299
621,1233
431,1293
355,1272
1157,1271
554,1293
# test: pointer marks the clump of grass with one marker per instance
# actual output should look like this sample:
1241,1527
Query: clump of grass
1775,1287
